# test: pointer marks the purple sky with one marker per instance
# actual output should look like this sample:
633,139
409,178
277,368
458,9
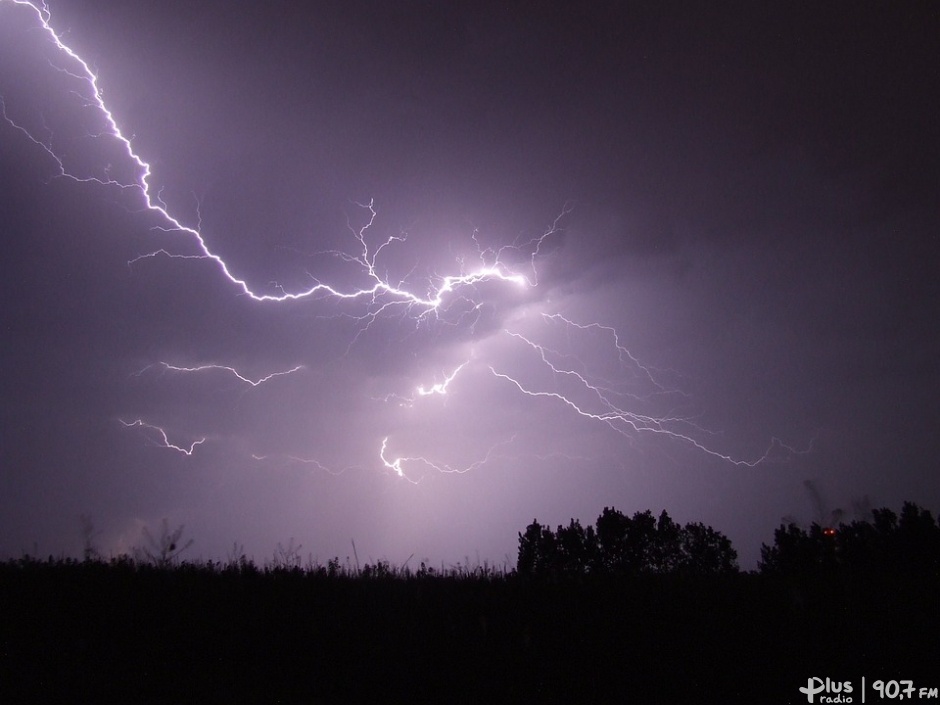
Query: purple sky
748,196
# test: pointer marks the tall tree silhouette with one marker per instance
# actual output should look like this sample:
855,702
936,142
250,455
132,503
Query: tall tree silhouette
908,543
622,545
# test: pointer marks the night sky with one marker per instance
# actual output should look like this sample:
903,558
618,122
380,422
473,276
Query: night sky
747,193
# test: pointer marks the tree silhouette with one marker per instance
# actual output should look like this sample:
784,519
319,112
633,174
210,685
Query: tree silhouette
163,551
908,543
797,552
576,548
622,545
537,550
706,551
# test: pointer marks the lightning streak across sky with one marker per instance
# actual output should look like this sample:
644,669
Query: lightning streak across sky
397,465
379,292
589,396
163,437
225,368
440,387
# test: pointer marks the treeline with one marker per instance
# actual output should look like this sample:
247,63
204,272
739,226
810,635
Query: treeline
620,545
888,543
668,618
907,544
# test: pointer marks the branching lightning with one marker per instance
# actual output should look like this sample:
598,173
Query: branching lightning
436,389
163,436
206,368
440,387
592,397
380,293
397,465
288,459
600,402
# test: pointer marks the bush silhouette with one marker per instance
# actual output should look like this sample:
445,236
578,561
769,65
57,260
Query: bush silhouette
164,551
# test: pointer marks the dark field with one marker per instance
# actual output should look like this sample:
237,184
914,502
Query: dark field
100,632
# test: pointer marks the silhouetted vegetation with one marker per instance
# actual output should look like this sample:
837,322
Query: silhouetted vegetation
889,544
164,551
632,609
621,545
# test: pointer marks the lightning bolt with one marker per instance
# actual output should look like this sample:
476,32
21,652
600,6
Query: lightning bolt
440,387
287,459
380,293
593,397
625,357
396,465
204,368
624,421
163,436
597,402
